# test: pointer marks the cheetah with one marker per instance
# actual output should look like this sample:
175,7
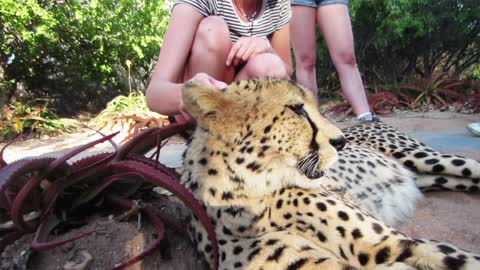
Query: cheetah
261,160
434,170
376,183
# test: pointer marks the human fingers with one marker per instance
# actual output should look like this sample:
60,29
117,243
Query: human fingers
233,51
205,79
212,82
202,78
245,45
251,51
184,117
217,84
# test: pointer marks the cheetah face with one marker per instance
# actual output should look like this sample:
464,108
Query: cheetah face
269,125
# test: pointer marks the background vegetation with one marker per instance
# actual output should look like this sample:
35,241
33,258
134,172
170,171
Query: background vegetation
400,39
79,54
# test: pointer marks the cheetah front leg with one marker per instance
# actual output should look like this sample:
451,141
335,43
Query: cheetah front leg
357,238
277,250
426,182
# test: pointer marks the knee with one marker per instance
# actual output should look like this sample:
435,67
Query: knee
306,61
345,57
212,35
267,65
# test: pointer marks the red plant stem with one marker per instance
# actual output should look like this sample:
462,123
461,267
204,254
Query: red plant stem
114,144
157,222
40,246
148,138
49,245
17,206
164,180
15,170
61,160
2,159
58,187
107,182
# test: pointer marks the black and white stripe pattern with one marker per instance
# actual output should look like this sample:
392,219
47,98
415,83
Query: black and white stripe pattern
274,15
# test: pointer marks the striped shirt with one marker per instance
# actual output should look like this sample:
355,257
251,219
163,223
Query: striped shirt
273,15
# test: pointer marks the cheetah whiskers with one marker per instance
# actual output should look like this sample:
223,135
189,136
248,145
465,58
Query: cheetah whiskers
309,164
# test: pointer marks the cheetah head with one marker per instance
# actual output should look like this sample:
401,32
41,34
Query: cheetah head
264,126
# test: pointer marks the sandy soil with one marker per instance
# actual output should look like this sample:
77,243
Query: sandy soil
445,216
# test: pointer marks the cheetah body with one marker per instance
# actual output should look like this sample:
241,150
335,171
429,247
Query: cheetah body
265,164
434,170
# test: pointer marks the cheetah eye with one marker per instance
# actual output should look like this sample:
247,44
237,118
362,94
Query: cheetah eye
298,109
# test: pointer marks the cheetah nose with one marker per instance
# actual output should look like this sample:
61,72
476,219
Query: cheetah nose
338,143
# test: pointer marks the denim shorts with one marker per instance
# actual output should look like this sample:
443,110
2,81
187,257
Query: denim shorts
318,3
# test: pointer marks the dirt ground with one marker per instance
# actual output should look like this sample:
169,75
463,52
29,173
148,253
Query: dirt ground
445,216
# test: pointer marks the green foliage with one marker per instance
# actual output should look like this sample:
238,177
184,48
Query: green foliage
474,72
133,104
129,112
82,53
18,118
399,39
77,50
405,37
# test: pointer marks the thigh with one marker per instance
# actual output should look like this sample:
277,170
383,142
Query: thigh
302,26
209,51
334,23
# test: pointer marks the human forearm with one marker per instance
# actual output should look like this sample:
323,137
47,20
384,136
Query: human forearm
164,91
164,97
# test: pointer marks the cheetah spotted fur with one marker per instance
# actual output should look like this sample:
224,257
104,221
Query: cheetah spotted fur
267,166
434,170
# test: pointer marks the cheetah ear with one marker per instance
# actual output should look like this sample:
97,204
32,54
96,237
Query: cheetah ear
203,103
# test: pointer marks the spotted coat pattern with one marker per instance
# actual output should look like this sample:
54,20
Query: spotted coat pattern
285,191
434,170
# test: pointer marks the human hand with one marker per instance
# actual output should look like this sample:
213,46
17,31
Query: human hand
247,47
205,79
184,116
199,78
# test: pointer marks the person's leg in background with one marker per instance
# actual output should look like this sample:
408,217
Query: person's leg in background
303,40
334,23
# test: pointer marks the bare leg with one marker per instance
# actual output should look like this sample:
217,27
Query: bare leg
209,50
303,41
212,44
262,66
208,54
334,22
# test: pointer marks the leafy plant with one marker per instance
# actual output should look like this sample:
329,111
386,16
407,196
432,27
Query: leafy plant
38,195
438,90
129,112
383,102
471,102
19,118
